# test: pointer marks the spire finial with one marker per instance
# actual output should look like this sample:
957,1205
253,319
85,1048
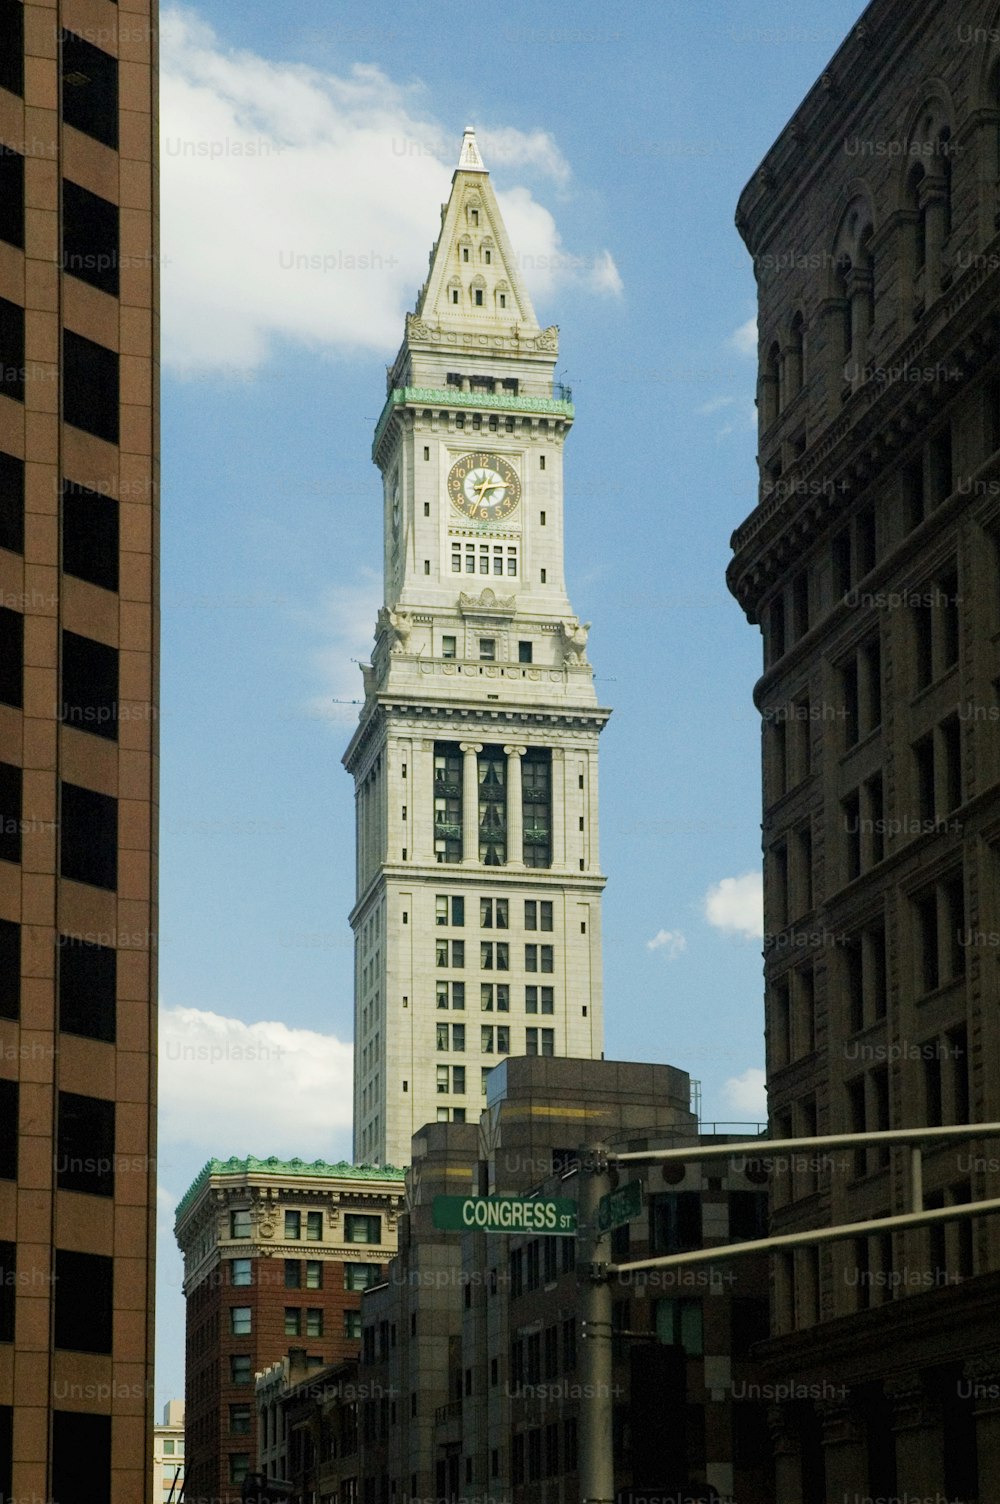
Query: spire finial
470,159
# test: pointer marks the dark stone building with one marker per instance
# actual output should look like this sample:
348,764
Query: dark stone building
872,567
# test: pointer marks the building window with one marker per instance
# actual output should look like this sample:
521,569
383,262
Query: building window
536,807
537,914
443,1076
90,238
674,1222
89,89
11,657
239,1223
314,1323
85,1152
10,969
314,1227
678,1322
11,500
293,1274
239,1321
524,652
539,999
362,1229
239,1368
89,837
83,1302
11,350
293,1226
12,57
76,1434
240,1272
239,1420
458,1037
239,1466
314,1274
447,802
90,387
87,987
490,994
361,1276
487,649
449,647
352,1325
89,698
494,912
90,535
293,1321
539,1042
494,954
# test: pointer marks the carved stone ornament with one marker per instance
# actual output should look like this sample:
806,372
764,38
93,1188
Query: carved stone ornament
418,328
398,626
575,634
487,601
548,339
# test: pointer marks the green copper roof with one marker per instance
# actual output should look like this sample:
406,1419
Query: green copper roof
274,1166
554,407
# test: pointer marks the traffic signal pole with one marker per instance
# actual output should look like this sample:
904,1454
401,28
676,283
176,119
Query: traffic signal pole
597,1467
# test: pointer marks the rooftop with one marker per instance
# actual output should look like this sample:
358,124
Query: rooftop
239,1169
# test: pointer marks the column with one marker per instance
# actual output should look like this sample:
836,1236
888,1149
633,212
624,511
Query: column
787,1454
933,197
844,1443
470,800
916,1420
515,807
859,296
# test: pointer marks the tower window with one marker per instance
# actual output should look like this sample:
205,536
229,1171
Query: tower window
454,295
479,297
541,519
541,462
465,253
488,257
474,216
524,652
512,561
503,300
487,649
449,647
427,566
456,558
544,576
427,452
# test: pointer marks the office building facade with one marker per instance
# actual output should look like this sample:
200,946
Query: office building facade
79,440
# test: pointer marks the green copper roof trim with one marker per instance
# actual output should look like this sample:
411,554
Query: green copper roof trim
318,1169
553,407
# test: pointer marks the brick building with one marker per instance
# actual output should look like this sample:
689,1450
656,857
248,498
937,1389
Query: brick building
79,573
276,1255
872,567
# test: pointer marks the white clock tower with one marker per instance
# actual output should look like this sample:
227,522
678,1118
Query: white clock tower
477,921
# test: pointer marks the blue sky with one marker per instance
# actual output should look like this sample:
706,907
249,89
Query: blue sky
302,173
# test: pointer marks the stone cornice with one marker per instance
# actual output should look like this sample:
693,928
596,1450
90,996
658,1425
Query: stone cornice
240,1170
460,718
426,396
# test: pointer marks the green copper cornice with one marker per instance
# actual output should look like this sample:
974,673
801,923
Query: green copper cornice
319,1169
426,396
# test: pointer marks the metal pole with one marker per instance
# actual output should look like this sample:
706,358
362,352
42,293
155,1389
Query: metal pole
597,1472
763,1148
917,1179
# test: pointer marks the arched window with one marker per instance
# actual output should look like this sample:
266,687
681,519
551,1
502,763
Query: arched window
913,203
945,149
844,268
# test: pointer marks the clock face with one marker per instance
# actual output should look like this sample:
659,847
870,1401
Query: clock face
484,486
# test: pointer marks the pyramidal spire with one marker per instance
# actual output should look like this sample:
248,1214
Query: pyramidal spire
475,282
470,158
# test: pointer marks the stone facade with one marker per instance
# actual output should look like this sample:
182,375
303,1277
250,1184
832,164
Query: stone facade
79,741
872,567
276,1255
477,919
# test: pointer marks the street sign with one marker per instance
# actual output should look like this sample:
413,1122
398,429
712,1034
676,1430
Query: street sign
620,1206
547,1216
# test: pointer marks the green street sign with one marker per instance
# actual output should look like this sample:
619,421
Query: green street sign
549,1217
620,1206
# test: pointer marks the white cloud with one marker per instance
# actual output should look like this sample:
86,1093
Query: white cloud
736,905
299,203
747,1094
744,339
260,1088
672,942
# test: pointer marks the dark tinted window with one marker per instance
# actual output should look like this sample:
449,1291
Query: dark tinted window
8,1290
11,657
89,833
76,1436
12,55
11,350
90,535
89,685
85,1149
89,89
11,196
10,812
90,238
83,1302
87,980
90,386
10,969
8,1129
11,503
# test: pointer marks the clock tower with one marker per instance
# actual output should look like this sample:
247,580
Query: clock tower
477,923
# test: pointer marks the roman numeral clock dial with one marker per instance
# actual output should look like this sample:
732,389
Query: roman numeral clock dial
484,487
